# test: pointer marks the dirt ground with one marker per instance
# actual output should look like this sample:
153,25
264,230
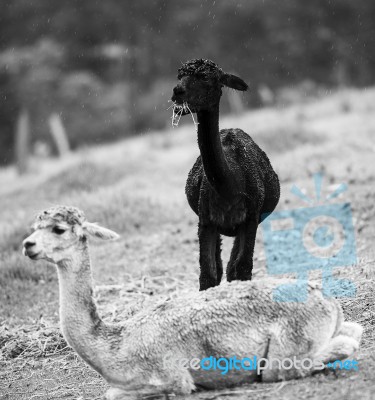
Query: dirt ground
136,187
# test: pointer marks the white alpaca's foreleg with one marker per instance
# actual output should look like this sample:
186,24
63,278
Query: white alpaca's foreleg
343,345
351,329
339,348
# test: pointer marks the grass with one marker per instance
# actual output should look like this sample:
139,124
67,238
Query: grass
136,187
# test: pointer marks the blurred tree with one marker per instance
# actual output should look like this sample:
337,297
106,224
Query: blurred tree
32,73
9,110
267,42
274,41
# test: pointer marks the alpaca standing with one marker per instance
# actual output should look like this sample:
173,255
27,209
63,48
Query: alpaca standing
238,318
232,183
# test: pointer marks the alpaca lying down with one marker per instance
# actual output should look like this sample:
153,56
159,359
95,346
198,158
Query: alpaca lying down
143,354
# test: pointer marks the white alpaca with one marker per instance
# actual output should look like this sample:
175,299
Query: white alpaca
234,319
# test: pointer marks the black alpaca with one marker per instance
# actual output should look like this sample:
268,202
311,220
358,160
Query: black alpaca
232,183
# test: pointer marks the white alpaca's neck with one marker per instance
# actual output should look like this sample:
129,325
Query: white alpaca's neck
81,325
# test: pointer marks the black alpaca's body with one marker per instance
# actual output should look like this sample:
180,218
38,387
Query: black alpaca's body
232,183
255,177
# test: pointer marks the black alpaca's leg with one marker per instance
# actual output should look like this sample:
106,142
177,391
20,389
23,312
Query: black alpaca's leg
244,267
207,252
240,265
219,263
231,267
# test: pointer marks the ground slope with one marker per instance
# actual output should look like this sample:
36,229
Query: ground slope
136,187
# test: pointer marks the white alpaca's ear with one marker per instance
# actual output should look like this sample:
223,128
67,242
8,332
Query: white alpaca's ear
99,232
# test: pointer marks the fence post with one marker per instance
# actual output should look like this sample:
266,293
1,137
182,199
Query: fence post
22,142
59,135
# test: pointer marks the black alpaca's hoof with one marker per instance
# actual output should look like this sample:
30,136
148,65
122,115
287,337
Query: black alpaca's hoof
204,285
236,273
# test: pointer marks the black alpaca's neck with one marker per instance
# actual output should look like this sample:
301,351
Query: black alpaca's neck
215,164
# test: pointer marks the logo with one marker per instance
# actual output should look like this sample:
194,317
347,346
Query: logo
319,237
252,363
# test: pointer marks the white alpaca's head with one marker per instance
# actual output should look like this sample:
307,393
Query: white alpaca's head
59,232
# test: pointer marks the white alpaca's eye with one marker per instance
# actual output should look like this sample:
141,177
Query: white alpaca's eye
57,230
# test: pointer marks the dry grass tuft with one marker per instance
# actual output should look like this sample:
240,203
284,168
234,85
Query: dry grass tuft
38,340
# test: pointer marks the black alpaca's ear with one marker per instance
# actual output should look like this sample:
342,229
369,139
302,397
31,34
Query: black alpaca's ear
233,82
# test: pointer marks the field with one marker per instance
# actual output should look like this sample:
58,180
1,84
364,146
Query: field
136,187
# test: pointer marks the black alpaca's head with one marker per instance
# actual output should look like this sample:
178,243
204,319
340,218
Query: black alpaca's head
200,83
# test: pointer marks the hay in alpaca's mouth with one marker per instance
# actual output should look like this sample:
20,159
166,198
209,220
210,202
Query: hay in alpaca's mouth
178,110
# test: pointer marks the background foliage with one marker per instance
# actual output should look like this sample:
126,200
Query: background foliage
109,66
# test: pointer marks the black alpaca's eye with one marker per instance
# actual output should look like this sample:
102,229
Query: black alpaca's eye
57,230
